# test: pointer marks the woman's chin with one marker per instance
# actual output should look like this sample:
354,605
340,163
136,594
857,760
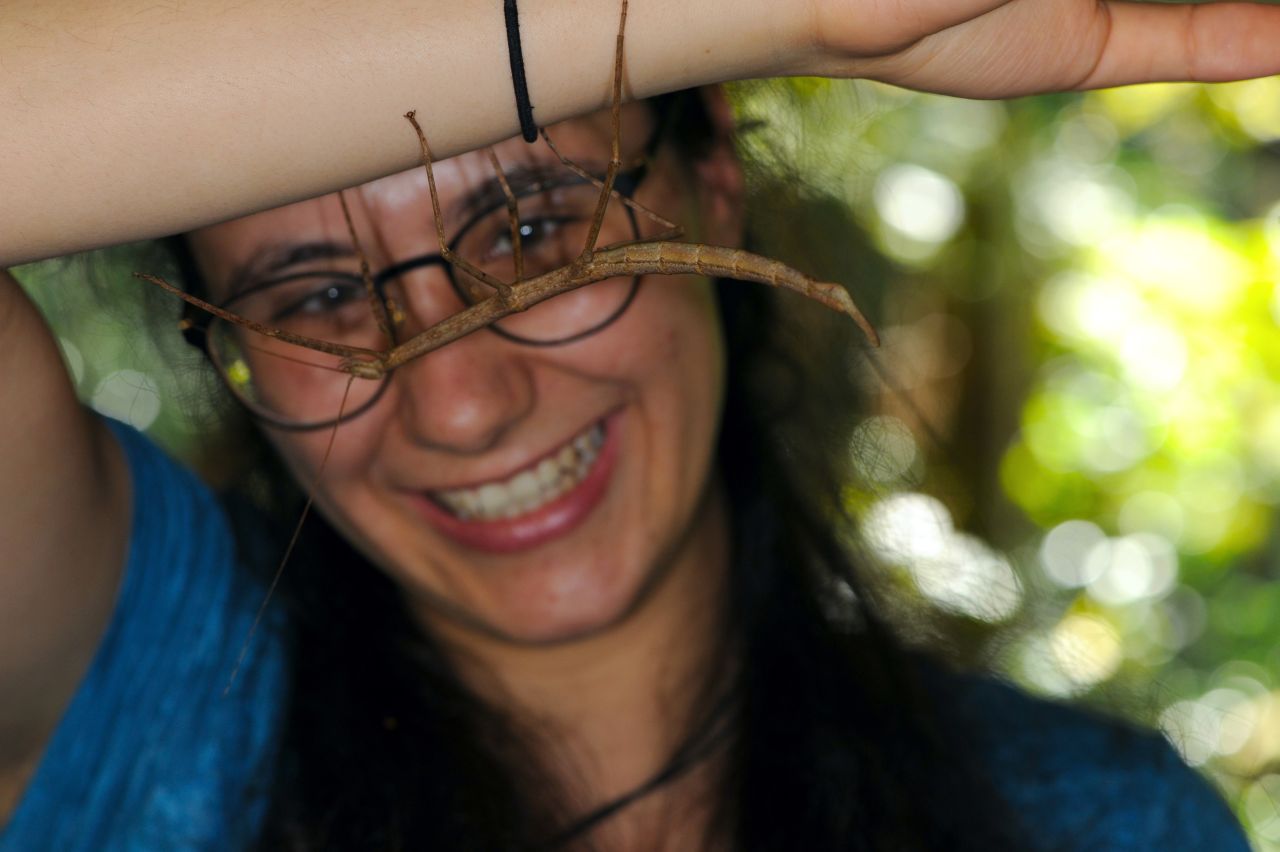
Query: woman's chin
557,608
560,629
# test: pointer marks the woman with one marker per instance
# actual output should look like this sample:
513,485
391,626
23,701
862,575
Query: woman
627,652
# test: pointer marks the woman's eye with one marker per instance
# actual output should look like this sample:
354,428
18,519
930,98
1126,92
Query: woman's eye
327,298
533,234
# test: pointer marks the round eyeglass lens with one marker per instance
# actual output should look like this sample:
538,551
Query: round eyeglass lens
288,384
554,224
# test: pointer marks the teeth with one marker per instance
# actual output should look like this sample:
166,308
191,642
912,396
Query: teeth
525,487
548,472
492,499
531,488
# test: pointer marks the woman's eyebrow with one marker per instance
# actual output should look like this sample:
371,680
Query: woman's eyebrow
276,258
488,194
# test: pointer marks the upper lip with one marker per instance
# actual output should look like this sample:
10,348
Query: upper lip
512,471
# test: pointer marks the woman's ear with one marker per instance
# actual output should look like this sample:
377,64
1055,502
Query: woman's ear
721,190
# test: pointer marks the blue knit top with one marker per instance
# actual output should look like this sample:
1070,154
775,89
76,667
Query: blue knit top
152,756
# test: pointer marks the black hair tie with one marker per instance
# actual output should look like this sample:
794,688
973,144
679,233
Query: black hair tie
524,109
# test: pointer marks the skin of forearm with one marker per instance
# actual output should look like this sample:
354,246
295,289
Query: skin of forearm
64,525
127,119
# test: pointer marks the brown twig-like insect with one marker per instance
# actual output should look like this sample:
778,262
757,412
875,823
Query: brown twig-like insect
662,256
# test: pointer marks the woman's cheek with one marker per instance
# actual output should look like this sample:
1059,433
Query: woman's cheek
334,462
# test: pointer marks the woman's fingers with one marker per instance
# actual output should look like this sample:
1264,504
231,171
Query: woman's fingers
1022,47
1212,43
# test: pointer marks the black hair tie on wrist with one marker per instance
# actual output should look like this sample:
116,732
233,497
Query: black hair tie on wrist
524,109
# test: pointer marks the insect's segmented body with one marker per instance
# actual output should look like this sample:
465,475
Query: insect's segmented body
643,258
673,258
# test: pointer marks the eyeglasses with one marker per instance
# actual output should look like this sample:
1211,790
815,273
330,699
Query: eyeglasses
299,389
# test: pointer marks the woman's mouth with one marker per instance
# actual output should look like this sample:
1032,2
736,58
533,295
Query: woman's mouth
531,488
542,501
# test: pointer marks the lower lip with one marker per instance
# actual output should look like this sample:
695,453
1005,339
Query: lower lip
511,535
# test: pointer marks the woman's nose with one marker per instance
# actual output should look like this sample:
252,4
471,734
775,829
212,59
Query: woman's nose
465,396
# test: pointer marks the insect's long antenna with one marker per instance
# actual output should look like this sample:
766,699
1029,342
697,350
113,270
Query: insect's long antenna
447,253
293,359
615,151
671,231
376,306
899,390
293,541
513,212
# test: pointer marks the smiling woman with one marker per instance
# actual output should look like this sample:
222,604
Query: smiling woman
578,581
527,481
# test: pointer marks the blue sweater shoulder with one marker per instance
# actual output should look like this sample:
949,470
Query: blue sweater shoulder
155,752
1081,781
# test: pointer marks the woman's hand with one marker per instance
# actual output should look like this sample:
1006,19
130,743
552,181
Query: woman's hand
1006,48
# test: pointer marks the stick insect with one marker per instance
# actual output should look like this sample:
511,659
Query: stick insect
663,254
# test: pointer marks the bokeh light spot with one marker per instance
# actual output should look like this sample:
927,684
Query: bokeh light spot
903,527
1063,553
969,579
884,449
1132,568
919,203
1086,649
128,396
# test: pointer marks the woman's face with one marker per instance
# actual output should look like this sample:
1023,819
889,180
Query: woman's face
531,492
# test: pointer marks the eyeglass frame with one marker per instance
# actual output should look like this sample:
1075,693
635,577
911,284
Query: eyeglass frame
195,323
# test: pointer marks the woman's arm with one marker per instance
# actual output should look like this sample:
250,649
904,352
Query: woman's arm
125,119
64,518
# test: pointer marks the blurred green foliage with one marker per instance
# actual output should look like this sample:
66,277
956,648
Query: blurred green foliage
1073,465
119,337
1072,460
